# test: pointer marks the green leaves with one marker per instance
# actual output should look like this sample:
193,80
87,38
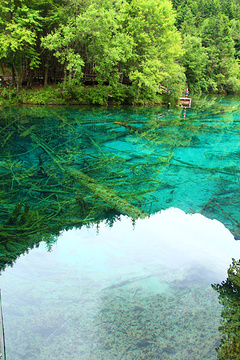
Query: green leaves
229,291
126,41
105,43
16,43
157,44
62,43
211,44
18,35
137,40
15,39
195,61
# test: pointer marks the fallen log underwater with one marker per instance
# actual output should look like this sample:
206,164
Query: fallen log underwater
123,123
107,195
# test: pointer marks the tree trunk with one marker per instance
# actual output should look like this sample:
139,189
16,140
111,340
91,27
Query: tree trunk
16,77
45,74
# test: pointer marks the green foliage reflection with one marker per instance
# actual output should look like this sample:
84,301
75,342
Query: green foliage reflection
229,297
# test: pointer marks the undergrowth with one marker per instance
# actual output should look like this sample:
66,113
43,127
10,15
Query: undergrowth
77,94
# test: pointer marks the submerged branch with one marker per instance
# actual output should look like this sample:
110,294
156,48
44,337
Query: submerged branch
99,190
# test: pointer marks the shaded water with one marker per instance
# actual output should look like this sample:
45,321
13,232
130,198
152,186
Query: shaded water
121,289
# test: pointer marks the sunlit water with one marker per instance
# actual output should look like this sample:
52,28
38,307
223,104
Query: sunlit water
137,290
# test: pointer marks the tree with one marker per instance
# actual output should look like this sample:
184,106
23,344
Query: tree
105,44
119,39
62,43
55,17
18,37
223,68
157,43
93,38
229,297
211,44
195,63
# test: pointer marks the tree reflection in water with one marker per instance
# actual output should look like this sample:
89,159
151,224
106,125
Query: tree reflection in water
229,297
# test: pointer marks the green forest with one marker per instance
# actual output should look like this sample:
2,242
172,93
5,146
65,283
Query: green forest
117,51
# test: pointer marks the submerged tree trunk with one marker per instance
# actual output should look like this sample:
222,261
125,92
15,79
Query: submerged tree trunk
108,196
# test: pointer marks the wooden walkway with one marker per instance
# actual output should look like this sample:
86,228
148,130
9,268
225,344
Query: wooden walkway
186,102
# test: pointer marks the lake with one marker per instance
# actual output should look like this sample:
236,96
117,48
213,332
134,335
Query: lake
118,228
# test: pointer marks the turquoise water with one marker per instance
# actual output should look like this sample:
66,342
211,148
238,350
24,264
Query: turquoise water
88,280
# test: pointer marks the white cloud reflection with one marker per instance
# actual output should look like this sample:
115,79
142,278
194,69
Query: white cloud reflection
87,271
169,240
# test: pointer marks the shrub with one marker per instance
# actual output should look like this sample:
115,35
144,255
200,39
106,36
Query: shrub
9,93
45,96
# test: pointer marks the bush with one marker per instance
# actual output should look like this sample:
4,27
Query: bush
120,94
233,85
97,95
45,96
9,93
147,96
73,92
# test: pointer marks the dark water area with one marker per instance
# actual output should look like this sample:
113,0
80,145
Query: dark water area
114,225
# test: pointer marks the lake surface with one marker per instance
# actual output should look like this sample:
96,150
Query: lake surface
115,224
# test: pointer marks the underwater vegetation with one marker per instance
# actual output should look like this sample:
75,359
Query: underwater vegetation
68,167
46,173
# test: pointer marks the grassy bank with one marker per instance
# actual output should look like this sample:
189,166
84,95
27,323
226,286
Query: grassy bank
83,95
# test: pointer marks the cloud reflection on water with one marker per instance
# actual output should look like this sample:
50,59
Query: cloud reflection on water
158,256
167,240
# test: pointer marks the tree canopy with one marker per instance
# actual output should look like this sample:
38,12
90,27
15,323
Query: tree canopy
136,41
210,36
135,46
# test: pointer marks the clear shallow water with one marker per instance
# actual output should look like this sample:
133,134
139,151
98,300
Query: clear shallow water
123,292
135,290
